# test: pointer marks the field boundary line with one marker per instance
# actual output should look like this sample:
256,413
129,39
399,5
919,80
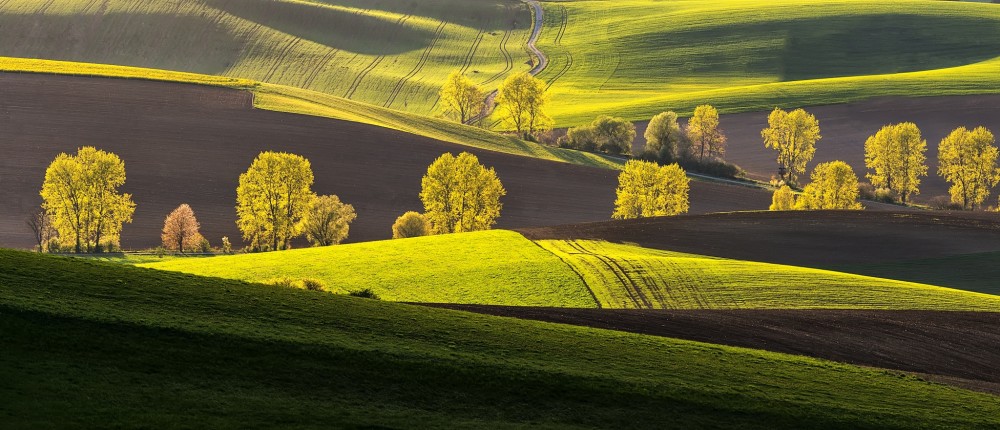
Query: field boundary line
572,268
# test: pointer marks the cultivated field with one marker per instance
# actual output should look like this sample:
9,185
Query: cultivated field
956,348
189,144
391,53
133,347
636,58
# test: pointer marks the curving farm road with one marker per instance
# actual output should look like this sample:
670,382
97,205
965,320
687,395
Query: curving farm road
543,61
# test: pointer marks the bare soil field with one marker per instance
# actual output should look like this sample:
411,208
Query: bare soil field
801,238
958,348
188,144
845,128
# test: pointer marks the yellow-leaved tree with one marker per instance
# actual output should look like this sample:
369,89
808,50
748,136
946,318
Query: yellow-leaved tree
646,189
793,135
80,195
783,199
704,134
410,224
834,186
461,98
328,221
272,200
663,136
968,159
521,102
895,156
460,195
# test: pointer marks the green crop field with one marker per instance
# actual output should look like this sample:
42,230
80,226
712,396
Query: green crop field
391,53
973,272
634,277
492,267
503,268
636,58
99,345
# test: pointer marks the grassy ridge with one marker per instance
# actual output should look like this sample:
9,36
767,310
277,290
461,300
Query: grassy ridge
636,58
501,267
392,53
91,344
492,267
625,276
296,100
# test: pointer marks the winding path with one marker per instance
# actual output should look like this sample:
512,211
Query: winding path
542,63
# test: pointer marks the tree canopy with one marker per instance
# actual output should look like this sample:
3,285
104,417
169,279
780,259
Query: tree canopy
664,136
704,134
783,199
834,186
180,230
461,98
793,135
521,102
968,160
411,224
80,195
646,189
460,195
272,200
896,160
607,134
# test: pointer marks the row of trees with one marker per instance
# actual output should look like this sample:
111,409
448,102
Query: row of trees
520,102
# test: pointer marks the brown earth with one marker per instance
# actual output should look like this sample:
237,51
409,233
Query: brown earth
188,144
958,348
802,238
845,128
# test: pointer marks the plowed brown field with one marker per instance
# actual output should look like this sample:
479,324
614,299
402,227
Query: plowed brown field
189,144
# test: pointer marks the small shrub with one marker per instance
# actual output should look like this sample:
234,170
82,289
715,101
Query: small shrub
366,293
160,251
313,284
204,246
713,167
944,203
885,195
53,246
866,191
227,247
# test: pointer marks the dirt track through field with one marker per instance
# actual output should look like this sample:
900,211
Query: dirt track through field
960,347
801,238
189,144
845,128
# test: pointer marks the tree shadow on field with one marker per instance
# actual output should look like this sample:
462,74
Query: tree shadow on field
339,29
161,41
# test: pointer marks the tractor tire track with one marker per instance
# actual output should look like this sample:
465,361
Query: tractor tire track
319,69
558,42
426,55
279,61
375,63
469,56
508,59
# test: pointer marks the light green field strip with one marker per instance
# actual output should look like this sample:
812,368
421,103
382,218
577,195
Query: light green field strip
296,100
392,53
494,267
624,276
636,58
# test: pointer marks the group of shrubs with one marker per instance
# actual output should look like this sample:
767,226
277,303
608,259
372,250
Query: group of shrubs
312,284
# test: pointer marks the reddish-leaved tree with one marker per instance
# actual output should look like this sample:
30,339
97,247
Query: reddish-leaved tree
180,230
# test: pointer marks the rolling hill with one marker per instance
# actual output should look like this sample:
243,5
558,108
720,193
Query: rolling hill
189,143
97,345
391,53
636,58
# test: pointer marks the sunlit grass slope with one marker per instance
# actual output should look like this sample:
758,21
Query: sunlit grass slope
634,277
493,267
503,268
639,57
392,53
97,345
296,100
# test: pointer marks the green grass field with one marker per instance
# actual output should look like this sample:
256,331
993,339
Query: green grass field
972,272
636,58
391,53
503,268
625,276
90,344
492,267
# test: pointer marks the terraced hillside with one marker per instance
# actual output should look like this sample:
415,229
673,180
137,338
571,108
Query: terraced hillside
391,53
636,58
99,345
503,268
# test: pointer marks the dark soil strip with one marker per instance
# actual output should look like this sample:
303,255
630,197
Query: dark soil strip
959,348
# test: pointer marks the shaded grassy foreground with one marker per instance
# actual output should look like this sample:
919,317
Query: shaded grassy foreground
93,344
636,58
625,276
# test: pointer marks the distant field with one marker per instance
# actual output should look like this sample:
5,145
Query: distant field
636,58
972,272
391,53
97,345
503,268
625,276
494,267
